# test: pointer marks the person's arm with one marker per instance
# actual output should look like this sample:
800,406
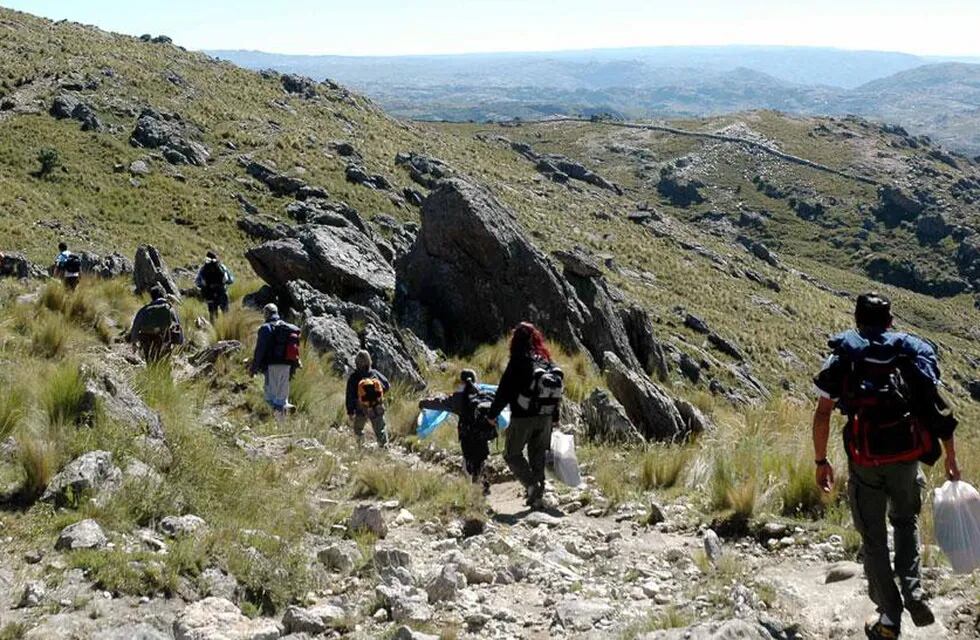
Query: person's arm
229,278
506,391
199,280
441,402
952,468
351,396
821,436
261,348
134,328
382,379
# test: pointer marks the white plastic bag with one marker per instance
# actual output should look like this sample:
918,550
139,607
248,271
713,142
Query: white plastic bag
563,454
956,514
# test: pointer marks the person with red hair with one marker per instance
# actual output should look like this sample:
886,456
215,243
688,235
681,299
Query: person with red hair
532,416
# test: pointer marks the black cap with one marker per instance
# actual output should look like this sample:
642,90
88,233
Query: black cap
873,311
467,375
62,246
211,255
157,292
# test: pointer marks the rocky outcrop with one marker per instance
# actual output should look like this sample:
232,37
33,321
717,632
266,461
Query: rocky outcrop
424,170
339,260
332,334
298,85
110,266
560,169
218,618
649,351
357,174
681,192
105,390
278,183
68,106
896,205
910,275
91,474
390,355
149,269
655,413
263,227
760,251
458,285
606,420
170,134
16,265
931,228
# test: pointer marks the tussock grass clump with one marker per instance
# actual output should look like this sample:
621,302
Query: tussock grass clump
49,336
63,394
800,495
238,324
661,466
39,459
669,618
13,408
432,493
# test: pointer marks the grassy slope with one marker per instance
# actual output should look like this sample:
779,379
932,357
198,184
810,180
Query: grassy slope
104,211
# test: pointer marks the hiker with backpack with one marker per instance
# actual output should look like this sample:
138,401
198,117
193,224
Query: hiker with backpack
67,266
213,279
366,388
886,384
532,385
471,404
277,357
156,327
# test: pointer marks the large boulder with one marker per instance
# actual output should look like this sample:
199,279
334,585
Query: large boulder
219,619
332,334
86,534
110,266
606,420
278,183
680,191
728,630
424,170
470,265
170,134
896,205
149,269
390,355
655,413
105,389
649,351
92,473
16,265
314,620
339,260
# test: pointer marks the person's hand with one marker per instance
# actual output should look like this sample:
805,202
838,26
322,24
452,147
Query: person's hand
825,477
350,416
952,468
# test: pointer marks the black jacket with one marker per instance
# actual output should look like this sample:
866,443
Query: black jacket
517,379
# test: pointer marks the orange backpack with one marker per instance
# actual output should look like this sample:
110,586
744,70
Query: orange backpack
370,393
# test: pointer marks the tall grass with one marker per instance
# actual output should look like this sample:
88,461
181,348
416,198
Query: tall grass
63,394
238,324
39,458
661,466
49,337
13,408
431,493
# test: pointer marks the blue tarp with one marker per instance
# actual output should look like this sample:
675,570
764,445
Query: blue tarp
430,419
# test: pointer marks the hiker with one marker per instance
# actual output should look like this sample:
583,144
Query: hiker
532,385
67,266
277,358
470,403
366,388
156,327
212,281
886,384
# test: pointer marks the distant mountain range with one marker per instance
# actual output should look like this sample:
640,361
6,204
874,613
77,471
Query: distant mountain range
936,97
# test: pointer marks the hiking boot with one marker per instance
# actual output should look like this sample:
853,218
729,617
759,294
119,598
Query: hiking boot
881,631
535,497
920,612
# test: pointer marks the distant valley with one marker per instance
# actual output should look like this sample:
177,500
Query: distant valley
928,96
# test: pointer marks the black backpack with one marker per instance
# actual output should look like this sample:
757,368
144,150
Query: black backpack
474,420
286,343
213,275
72,264
546,389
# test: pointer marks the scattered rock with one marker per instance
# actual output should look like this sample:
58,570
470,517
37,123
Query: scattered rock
342,557
405,604
424,170
182,526
219,619
91,474
648,406
86,534
368,517
170,134
895,205
149,269
446,584
842,571
34,594
16,265
581,615
728,630
298,85
106,391
314,620
712,546
406,633
139,631
606,420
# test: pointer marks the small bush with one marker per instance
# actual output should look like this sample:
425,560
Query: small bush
13,406
49,159
63,395
661,467
53,296
238,324
39,459
50,337
741,498
800,495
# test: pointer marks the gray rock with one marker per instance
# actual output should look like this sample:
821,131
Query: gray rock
217,583
16,265
407,633
581,615
63,106
557,164
298,85
314,620
263,227
405,604
138,631
211,353
896,205
105,390
648,406
335,260
219,619
445,585
606,420
760,251
149,269
642,338
92,473
680,191
368,517
579,263
280,184
331,334
167,132
393,565
728,630
343,557
425,170
712,546
391,356
34,594
182,526
841,571
357,174
931,228
86,534
139,168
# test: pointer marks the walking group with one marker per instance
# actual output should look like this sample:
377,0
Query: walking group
886,383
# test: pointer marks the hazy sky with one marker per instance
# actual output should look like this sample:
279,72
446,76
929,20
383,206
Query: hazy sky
381,27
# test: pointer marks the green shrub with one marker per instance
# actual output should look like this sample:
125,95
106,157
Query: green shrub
39,459
49,159
800,495
63,394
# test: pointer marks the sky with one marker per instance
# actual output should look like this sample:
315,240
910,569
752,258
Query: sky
405,27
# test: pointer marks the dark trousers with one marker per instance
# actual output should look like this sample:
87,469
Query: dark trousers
534,434
217,301
894,491
71,282
154,347
476,450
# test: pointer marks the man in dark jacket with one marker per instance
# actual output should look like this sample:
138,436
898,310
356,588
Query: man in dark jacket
474,434
67,266
213,279
529,427
269,359
362,409
156,327
881,380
